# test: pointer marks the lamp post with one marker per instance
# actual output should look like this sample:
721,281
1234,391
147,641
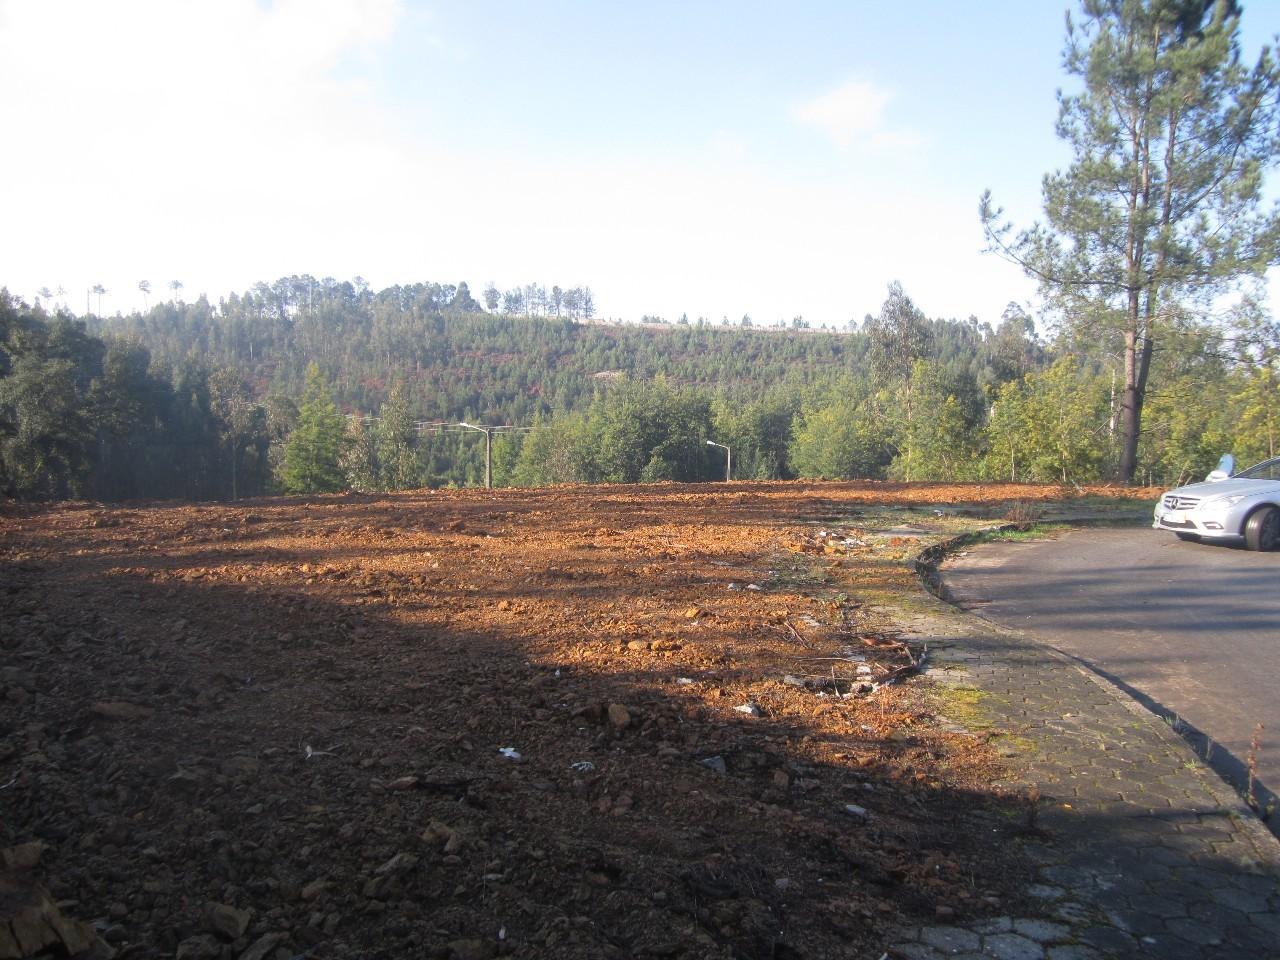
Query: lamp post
488,452
728,459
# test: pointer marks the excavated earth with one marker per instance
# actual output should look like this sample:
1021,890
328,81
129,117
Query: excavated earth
572,722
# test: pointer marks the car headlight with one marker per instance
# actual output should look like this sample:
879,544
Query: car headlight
1223,502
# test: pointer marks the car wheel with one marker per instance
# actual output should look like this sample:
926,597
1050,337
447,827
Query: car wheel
1188,536
1262,529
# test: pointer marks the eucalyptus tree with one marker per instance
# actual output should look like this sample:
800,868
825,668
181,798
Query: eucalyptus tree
358,459
899,336
843,439
1160,213
46,447
242,426
393,441
572,301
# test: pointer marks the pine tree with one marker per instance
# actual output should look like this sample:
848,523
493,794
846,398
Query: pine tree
1160,211
311,456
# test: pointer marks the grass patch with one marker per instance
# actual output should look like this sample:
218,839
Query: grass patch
968,706
1008,744
1035,531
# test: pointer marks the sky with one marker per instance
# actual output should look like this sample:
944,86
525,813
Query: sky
694,157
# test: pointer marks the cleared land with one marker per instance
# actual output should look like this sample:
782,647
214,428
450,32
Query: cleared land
301,709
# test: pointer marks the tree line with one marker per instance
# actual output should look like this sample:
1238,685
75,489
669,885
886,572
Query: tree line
208,408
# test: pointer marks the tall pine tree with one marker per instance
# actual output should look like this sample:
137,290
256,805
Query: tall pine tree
313,452
1160,212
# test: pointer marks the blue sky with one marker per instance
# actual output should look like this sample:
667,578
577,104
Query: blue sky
702,158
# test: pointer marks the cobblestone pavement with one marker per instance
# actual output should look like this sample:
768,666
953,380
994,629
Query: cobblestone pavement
1141,850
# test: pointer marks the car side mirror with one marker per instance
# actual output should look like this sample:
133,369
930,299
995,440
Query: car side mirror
1216,475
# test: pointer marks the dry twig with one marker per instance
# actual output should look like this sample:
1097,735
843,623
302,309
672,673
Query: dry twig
799,637
1255,746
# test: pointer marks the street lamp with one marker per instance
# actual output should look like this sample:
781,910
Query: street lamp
728,459
488,451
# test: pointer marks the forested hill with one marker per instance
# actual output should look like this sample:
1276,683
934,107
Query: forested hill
458,361
191,401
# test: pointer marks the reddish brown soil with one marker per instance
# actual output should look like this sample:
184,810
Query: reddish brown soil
264,705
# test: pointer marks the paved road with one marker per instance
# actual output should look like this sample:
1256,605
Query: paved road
1192,630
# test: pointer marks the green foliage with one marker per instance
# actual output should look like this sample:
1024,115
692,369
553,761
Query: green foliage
842,439
46,420
47,454
938,442
394,442
1160,213
312,454
1006,434
1258,349
1191,422
202,402
468,365
633,432
650,432
1259,422
758,432
506,456
242,427
557,450
899,337
1051,427
358,458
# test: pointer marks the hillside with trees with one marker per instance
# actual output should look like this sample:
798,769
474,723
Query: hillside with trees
349,388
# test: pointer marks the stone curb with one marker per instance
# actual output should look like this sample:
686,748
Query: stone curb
926,562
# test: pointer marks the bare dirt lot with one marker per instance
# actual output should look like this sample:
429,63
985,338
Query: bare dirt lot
581,722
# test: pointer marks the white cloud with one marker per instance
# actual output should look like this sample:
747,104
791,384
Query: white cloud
853,114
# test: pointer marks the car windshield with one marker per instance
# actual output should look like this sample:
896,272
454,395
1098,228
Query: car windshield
1266,470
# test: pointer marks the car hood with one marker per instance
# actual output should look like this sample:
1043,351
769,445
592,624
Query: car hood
1225,488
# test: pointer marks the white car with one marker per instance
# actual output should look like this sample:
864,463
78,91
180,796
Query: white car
1227,507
